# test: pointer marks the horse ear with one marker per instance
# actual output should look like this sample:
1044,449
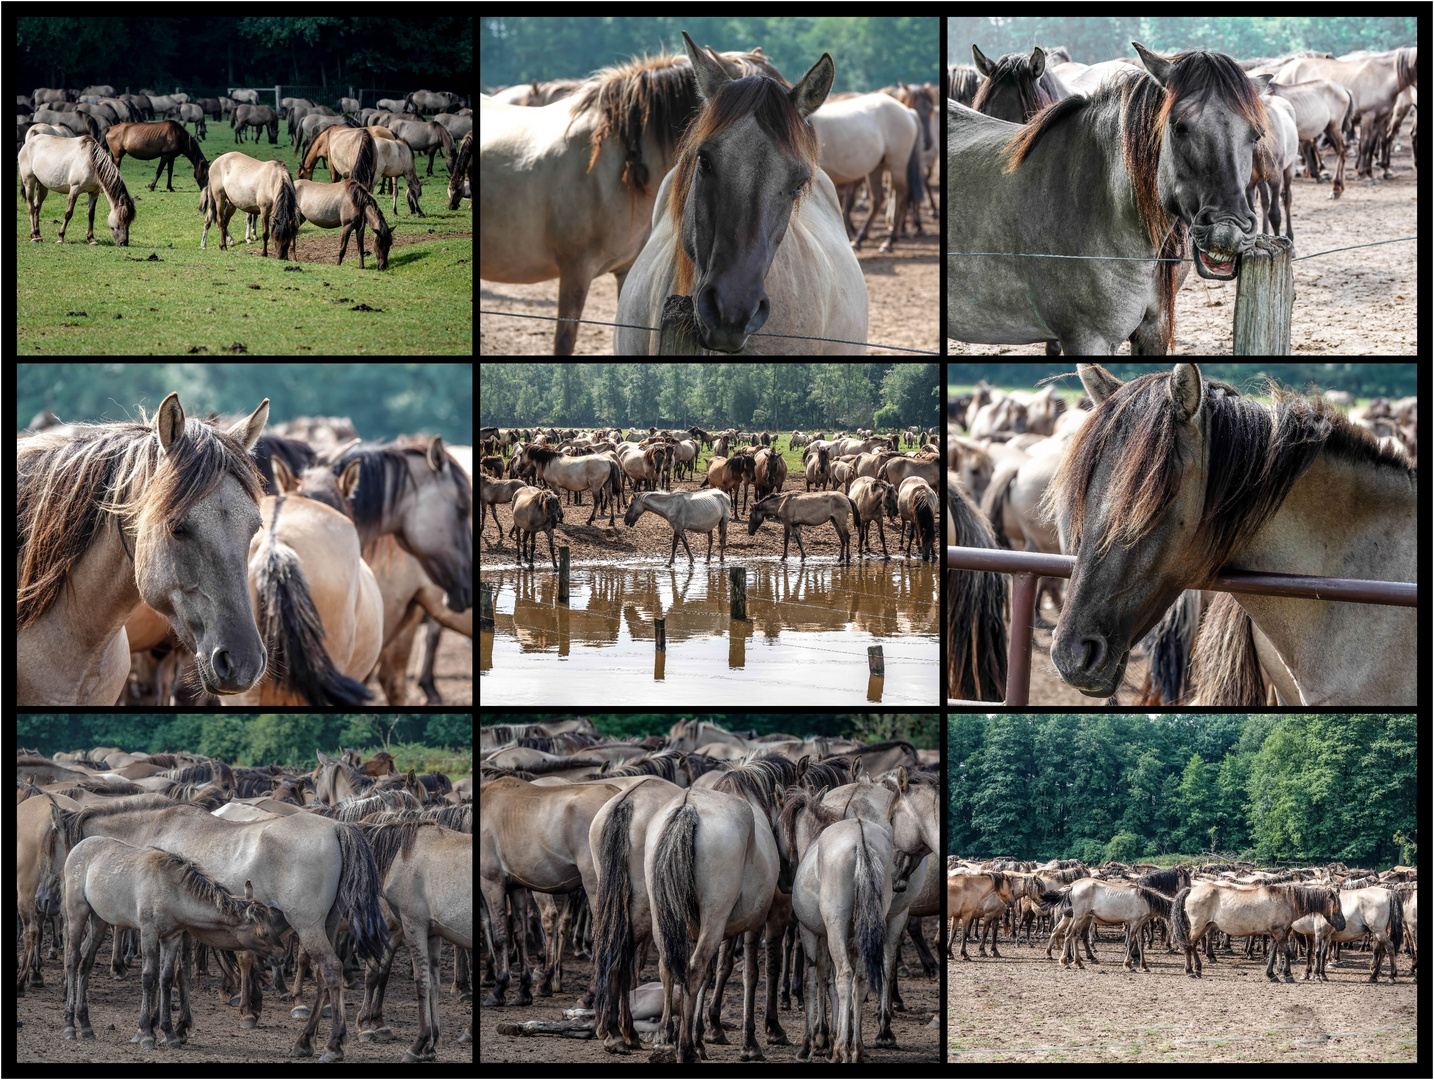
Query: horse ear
1186,392
1099,383
901,777
246,430
1157,65
283,478
169,423
855,769
803,765
248,890
710,75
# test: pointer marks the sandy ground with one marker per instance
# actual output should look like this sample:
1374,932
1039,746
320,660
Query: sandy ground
216,1036
903,295
1353,303
452,671
1025,1008
916,1042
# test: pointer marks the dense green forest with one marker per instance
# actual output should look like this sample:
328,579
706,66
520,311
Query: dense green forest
1095,38
920,729
1362,380
1277,789
383,400
773,396
869,52
422,740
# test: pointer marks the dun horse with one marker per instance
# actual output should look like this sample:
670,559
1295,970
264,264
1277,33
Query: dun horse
702,511
589,473
1244,910
164,897
239,182
794,510
535,511
165,140
346,204
160,512
75,166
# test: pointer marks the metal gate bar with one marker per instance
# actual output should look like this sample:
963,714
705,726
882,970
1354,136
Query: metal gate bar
1025,567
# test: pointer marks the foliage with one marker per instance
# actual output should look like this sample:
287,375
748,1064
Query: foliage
1273,788
712,395
1361,379
918,728
869,52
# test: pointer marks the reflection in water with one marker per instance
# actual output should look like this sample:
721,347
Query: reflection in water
805,640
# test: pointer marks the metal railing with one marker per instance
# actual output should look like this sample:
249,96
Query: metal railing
1026,567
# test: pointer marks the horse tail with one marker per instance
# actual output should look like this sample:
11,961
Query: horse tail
285,217
926,519
914,175
676,912
870,914
294,634
1180,921
855,514
362,172
357,897
613,948
993,504
1396,922
1224,667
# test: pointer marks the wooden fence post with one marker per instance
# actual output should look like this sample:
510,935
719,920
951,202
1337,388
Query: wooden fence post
1265,298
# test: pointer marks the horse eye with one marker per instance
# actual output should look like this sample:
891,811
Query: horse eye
703,161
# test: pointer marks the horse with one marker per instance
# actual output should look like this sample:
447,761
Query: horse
165,140
315,599
490,494
1321,107
871,497
683,510
1017,86
1002,200
796,509
761,239
239,182
159,511
164,897
1375,911
1109,903
348,204
1374,83
565,188
460,184
863,137
316,871
425,135
194,114
588,473
1192,477
1245,910
75,166
255,116
1274,169
535,511
918,507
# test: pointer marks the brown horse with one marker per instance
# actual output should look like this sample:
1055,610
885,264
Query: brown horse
349,204
239,182
794,510
460,184
729,474
165,140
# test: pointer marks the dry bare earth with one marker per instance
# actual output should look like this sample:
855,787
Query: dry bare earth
1353,303
999,1010
903,295
915,1040
216,1036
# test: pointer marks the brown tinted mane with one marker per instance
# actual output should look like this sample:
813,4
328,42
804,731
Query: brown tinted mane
203,888
767,102
1250,463
68,484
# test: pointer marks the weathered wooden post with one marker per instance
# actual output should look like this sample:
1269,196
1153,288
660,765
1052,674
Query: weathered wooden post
563,574
485,606
739,592
679,329
875,660
1265,298
660,635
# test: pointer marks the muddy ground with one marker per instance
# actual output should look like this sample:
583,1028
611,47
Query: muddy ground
1025,1008
1363,302
916,1041
903,301
216,1036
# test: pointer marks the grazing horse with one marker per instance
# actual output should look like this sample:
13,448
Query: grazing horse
917,505
342,148
460,184
157,511
424,136
346,204
164,897
1174,477
1142,161
795,509
165,140
75,166
683,510
747,224
239,182
1245,910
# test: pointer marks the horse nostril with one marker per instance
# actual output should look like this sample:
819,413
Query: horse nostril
1094,649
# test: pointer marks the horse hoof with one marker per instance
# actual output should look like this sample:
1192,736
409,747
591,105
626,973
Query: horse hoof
147,1043
69,1033
752,1054
302,1051
248,1023
332,1055
300,1013
614,1045
409,1058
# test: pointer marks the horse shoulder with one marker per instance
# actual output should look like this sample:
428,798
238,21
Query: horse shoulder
649,281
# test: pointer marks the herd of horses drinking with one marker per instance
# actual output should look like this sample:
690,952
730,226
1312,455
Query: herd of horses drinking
130,532
265,191
298,855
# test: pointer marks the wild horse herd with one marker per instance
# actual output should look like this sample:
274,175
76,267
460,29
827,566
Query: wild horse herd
336,868
686,847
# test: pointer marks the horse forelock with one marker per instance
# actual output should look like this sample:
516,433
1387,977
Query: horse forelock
766,101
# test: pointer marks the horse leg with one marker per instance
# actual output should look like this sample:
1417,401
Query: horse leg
750,1050
247,1017
149,945
34,199
69,209
672,558
573,283
180,1035
690,560
344,243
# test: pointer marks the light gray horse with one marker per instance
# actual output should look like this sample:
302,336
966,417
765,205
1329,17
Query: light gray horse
164,897
1123,172
683,510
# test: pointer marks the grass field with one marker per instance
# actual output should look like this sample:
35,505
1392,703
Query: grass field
162,294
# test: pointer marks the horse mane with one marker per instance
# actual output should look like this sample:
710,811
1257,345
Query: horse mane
69,484
109,177
767,102
1033,93
1252,463
205,889
383,474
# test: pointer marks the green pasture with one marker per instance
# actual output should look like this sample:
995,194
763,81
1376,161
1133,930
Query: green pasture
162,294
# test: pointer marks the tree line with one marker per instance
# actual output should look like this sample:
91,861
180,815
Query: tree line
1362,380
1277,789
920,729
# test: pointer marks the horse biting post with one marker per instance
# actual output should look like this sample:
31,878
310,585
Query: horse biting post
1265,298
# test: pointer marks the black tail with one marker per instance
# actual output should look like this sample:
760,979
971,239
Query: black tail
1179,921
1396,923
613,946
676,910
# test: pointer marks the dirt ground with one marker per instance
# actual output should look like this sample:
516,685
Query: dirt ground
1025,1008
452,671
915,1040
903,294
216,1036
1353,303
